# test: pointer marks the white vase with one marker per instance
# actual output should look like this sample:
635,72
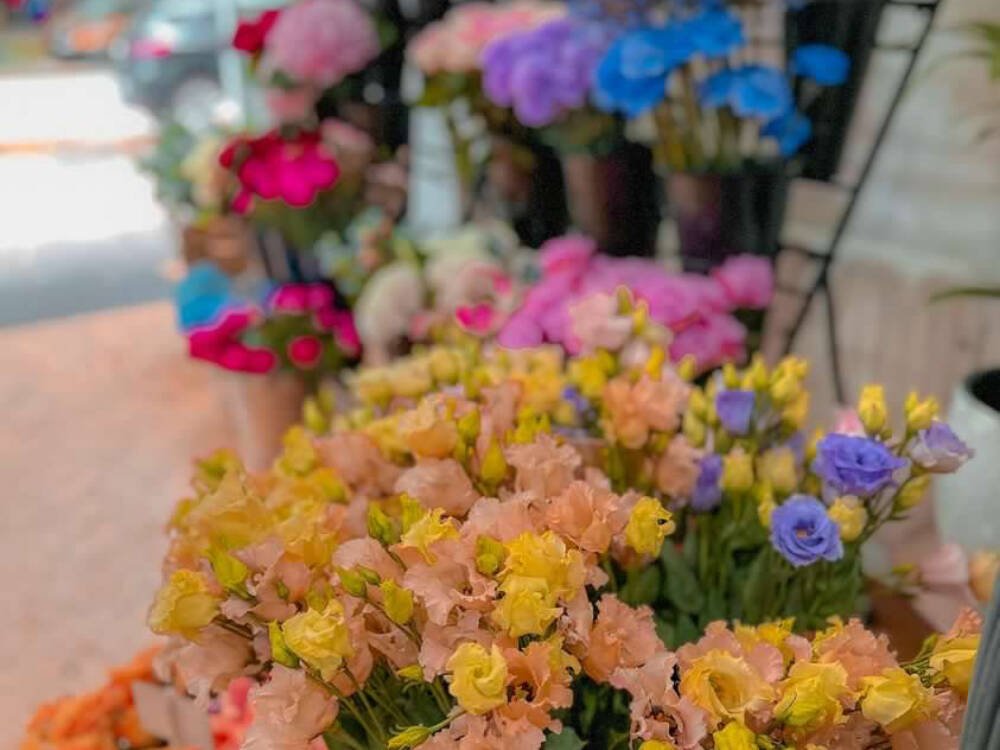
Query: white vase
261,408
967,503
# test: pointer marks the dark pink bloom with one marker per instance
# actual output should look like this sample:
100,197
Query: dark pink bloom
305,351
341,324
318,296
220,343
712,340
290,298
747,280
476,318
250,36
520,332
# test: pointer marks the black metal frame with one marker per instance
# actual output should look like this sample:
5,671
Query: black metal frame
822,282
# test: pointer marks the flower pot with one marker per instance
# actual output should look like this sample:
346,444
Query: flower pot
719,215
261,408
612,198
967,503
851,27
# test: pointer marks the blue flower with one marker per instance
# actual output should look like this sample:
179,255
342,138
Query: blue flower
750,91
803,533
715,33
791,131
707,490
202,295
632,75
734,409
855,465
826,65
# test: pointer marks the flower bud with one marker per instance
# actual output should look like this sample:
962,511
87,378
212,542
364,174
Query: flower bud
919,414
490,555
279,650
912,492
693,429
494,466
368,574
398,602
352,582
469,426
413,673
687,368
313,416
871,408
756,377
380,526
408,738
229,571
737,471
730,377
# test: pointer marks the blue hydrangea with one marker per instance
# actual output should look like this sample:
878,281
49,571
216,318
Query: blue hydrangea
826,65
759,91
632,75
792,131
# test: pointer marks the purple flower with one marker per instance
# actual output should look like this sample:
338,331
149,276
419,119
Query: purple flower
544,71
826,65
707,491
803,533
735,409
938,449
855,465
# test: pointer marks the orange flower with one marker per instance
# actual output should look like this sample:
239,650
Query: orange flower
622,636
586,515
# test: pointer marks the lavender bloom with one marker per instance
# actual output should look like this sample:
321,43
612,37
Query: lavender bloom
854,465
735,408
803,533
938,449
545,71
707,490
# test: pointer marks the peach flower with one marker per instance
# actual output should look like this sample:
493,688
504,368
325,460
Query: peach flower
206,666
289,711
439,641
358,462
859,651
648,404
621,637
439,483
765,658
677,469
369,553
587,516
541,679
544,467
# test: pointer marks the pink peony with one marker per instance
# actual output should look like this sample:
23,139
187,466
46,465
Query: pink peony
319,42
747,280
305,351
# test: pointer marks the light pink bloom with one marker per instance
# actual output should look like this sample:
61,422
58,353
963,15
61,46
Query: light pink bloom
568,254
587,516
544,467
747,280
358,461
677,468
318,42
289,711
206,666
847,422
439,483
858,650
622,637
597,324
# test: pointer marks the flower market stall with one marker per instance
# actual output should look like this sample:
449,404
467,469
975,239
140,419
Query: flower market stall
523,481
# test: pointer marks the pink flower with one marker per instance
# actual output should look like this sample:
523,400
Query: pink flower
341,324
439,483
747,280
305,351
520,332
847,422
588,516
290,298
622,637
544,468
251,36
568,254
320,41
597,323
289,710
220,343
476,318
712,341
290,105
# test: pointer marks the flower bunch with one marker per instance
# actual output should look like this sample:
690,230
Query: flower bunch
297,327
706,108
574,303
453,45
104,718
425,577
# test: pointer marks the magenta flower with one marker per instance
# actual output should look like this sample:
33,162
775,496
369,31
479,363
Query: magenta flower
478,319
570,253
341,324
220,343
747,280
305,351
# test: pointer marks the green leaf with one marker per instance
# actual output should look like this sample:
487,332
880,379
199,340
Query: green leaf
567,739
642,586
687,631
758,578
682,587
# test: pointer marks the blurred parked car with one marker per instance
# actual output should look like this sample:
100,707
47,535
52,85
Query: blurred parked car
88,27
167,58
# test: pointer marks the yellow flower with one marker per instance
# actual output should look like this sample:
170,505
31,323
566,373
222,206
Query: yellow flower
811,696
490,554
413,673
526,607
229,571
372,386
724,685
398,602
756,376
687,368
429,529
657,745
546,556
850,515
793,416
209,472
955,658
589,374
411,378
811,444
895,699
320,639
183,605
279,649
919,413
734,736
387,436
494,466
445,364
912,492
231,514
325,481
299,456
737,471
777,468
694,429
871,408
648,525
427,431
479,678
774,633
764,496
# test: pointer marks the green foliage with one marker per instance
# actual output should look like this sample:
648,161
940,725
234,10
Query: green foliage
164,164
567,739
